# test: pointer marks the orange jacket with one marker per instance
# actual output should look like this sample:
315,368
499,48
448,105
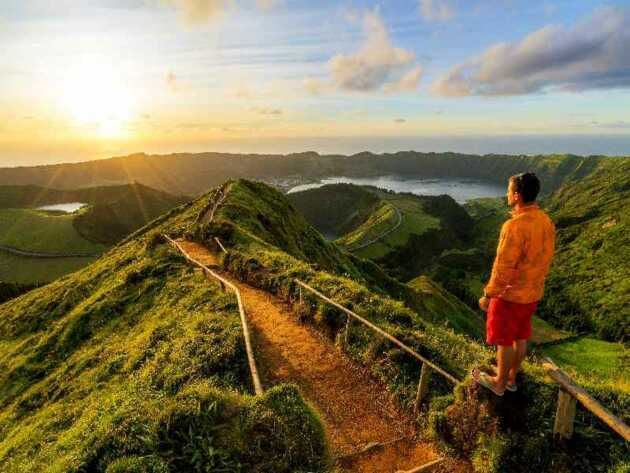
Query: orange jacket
526,246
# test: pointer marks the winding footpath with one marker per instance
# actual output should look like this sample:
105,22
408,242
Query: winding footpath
366,430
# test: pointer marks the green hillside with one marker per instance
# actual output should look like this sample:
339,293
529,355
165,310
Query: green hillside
136,363
111,214
589,286
269,256
401,232
335,209
33,270
46,232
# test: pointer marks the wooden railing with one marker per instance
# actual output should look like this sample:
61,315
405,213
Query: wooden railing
568,394
427,366
246,334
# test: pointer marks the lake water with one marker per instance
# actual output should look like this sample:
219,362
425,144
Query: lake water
461,190
68,207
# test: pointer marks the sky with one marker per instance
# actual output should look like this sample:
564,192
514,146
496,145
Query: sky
98,78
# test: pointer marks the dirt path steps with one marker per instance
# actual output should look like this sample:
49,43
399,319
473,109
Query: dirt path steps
356,410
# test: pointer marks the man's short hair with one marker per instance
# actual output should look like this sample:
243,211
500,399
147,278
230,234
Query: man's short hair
528,185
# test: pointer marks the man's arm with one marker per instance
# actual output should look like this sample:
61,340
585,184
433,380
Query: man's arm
504,269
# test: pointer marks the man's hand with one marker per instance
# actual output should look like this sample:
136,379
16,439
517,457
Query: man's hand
484,303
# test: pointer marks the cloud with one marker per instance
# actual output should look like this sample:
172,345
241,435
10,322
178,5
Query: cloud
315,86
436,10
171,81
377,65
200,11
593,54
196,12
407,83
619,124
266,4
400,120
266,111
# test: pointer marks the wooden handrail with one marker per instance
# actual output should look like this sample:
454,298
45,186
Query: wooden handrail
220,245
381,332
580,394
246,335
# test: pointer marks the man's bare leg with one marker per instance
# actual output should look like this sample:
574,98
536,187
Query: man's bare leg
520,350
505,360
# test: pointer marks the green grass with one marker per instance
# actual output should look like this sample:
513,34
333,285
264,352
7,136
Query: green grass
34,230
26,270
449,310
137,363
593,361
515,432
415,221
382,219
589,286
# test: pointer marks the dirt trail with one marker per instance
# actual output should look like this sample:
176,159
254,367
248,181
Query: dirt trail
356,410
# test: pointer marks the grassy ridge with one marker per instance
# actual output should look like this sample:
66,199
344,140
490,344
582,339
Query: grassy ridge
339,208
511,434
38,231
405,232
381,220
136,363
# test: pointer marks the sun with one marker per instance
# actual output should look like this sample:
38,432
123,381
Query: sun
97,98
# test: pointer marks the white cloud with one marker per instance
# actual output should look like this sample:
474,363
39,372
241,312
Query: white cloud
377,65
407,83
266,111
266,4
171,82
200,11
196,12
592,54
316,86
436,10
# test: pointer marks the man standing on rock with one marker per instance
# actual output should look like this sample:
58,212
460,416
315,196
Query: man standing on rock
524,254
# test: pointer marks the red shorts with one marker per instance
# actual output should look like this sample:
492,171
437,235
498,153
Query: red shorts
508,321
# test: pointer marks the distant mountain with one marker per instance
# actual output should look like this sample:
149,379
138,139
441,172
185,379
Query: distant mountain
192,174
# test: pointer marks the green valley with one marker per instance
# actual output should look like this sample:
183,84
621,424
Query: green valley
43,232
41,245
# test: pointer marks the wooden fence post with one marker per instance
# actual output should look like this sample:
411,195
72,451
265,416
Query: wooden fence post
423,386
565,416
346,334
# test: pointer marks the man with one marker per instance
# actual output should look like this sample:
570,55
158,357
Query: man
524,254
